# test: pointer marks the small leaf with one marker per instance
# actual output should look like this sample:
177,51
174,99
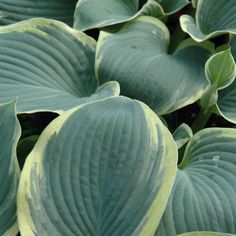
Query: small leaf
182,135
104,168
203,197
213,17
226,98
14,11
220,71
100,13
9,169
137,57
24,147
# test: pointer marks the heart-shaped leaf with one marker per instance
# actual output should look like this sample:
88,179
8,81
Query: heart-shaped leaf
137,57
12,11
213,17
203,197
99,13
104,168
47,66
9,169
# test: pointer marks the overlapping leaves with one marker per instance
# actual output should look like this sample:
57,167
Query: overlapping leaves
100,13
203,197
213,17
47,66
12,11
137,57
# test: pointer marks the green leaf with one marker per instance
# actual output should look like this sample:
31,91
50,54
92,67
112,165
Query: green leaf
24,147
182,135
194,3
137,57
104,168
9,169
47,66
220,71
12,11
100,13
203,197
213,17
205,234
227,97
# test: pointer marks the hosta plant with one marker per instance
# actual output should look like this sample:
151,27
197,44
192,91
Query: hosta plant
117,118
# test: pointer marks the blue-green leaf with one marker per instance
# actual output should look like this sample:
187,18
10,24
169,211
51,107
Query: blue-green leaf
12,11
48,66
104,168
203,197
99,13
9,169
213,17
137,57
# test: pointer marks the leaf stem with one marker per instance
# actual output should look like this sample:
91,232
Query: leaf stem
201,120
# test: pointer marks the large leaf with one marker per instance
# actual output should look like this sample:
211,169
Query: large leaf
12,11
137,57
105,168
213,17
47,66
99,13
204,194
9,169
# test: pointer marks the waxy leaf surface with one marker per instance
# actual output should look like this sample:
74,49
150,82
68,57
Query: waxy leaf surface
203,197
9,169
99,13
137,57
104,168
227,96
220,71
12,11
213,17
48,66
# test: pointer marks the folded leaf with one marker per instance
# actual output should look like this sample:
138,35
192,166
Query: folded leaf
220,71
12,11
9,169
203,197
182,135
99,13
137,57
213,17
104,168
227,97
47,66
